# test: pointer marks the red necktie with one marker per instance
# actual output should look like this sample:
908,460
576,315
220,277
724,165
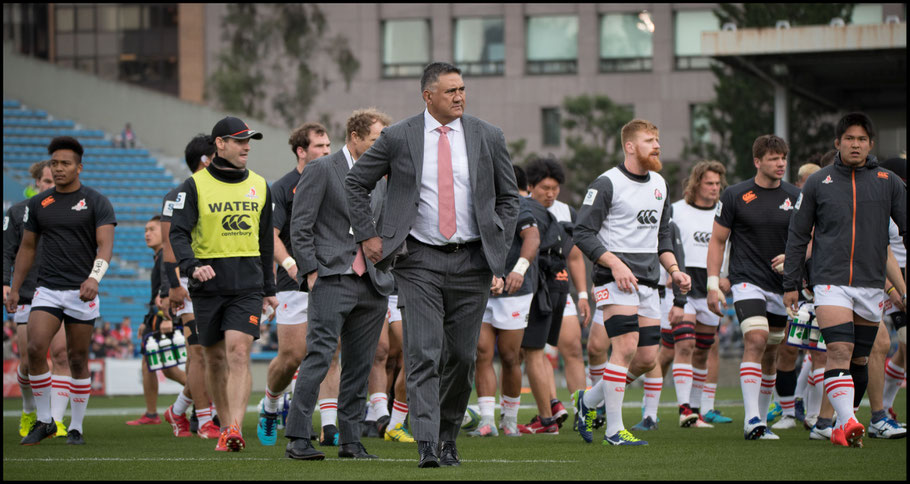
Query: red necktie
446,185
359,265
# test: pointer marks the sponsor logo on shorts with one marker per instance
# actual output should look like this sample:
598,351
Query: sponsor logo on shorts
254,320
562,276
882,174
881,304
515,314
92,304
749,196
602,295
80,206
47,201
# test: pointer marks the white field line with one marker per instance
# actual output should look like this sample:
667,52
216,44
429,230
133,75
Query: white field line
208,459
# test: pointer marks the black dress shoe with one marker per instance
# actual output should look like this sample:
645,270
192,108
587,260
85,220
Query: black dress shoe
354,450
427,451
448,454
381,424
302,449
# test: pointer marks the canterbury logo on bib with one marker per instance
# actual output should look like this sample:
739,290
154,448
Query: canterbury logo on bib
229,213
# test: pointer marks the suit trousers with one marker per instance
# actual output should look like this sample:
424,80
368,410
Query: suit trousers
347,306
442,297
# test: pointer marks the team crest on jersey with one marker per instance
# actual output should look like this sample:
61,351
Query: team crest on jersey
658,195
252,193
827,180
80,206
786,206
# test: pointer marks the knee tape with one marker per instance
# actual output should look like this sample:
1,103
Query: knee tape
621,324
666,338
648,336
755,323
842,333
863,339
703,341
776,336
902,335
683,330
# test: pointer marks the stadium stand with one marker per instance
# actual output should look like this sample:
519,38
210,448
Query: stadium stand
132,179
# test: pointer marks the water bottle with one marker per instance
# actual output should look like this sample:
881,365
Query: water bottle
166,348
821,346
814,332
152,356
798,325
179,346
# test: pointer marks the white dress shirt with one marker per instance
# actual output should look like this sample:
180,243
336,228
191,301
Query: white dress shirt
426,226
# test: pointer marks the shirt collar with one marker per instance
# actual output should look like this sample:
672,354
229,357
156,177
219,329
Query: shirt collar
430,123
347,155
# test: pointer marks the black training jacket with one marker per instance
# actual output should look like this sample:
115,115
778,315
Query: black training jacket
849,209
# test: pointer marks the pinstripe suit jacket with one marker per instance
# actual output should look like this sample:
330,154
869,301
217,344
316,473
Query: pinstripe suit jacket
398,153
321,235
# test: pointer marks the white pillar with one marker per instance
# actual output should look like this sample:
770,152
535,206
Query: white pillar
781,127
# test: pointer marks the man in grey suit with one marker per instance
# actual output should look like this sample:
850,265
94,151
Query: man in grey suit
445,230
348,295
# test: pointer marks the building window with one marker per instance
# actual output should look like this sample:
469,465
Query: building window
405,47
866,14
65,19
699,127
687,29
551,128
552,45
107,18
85,19
626,42
130,17
480,46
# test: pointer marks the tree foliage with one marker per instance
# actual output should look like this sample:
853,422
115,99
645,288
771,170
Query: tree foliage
743,107
281,40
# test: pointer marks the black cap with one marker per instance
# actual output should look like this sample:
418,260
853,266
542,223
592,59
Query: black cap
231,127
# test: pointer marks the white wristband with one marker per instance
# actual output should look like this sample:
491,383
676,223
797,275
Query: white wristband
288,263
99,267
583,295
521,266
713,283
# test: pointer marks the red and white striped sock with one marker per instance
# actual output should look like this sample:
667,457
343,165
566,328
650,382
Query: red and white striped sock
839,390
788,404
487,408
699,376
614,389
271,402
653,387
204,415
595,396
379,404
80,390
214,410
25,388
682,379
707,397
182,403
61,387
630,378
41,390
894,375
765,395
815,392
328,410
596,373
750,381
399,413
510,406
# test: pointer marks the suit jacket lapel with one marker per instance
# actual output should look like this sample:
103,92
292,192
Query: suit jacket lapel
472,139
415,145
340,166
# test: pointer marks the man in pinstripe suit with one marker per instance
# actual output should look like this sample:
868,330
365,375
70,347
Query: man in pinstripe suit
445,229
348,296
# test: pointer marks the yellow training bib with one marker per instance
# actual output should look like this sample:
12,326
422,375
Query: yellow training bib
228,224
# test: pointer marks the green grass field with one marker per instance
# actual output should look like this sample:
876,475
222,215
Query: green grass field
115,451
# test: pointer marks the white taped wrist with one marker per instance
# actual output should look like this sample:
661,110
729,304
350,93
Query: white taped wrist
713,283
99,267
583,295
288,263
521,266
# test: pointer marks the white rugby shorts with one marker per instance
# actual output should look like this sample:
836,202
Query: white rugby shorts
508,313
394,314
292,307
21,314
67,300
187,304
774,302
646,298
866,302
699,307
666,303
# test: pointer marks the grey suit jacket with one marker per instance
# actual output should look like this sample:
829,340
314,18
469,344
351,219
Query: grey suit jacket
321,236
398,153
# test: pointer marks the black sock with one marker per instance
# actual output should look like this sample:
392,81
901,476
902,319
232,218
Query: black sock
860,382
786,383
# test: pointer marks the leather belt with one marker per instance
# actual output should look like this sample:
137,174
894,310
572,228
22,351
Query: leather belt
448,248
